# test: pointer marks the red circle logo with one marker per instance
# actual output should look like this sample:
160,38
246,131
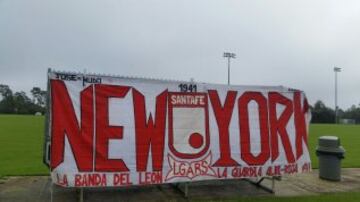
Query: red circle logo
196,140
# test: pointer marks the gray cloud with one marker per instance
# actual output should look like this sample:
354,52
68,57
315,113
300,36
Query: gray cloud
291,43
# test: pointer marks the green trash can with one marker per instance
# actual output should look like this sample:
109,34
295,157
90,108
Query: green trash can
330,153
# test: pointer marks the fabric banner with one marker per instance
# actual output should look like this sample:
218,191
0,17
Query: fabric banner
119,131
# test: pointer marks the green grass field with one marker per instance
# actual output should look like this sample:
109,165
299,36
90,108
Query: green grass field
348,197
350,139
21,140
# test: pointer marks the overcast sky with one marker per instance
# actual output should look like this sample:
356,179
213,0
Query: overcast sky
277,42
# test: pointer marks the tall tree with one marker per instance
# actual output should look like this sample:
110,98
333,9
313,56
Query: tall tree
22,103
39,96
322,114
7,102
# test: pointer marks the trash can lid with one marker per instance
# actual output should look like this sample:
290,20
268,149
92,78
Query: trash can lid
329,141
336,150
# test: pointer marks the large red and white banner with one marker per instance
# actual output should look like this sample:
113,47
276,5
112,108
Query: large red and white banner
116,131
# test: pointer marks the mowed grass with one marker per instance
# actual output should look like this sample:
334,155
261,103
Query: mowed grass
349,138
21,144
21,140
347,196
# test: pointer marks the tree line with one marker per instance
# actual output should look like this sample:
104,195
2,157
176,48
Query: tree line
323,114
20,103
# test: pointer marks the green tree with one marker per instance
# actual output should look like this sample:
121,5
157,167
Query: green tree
7,101
321,113
39,96
353,113
22,103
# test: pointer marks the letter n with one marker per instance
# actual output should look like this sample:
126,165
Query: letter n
64,123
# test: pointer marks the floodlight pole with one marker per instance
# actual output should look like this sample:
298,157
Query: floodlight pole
229,55
228,70
336,70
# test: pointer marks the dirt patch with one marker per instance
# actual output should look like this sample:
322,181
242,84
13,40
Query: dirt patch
40,188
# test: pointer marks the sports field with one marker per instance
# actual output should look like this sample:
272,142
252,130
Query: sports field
350,139
335,197
21,140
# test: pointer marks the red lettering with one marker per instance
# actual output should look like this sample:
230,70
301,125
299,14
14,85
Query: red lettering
149,133
62,180
90,180
246,154
223,116
121,179
77,180
278,125
300,123
104,131
274,114
150,177
64,123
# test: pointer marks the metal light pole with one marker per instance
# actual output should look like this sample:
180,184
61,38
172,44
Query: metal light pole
336,70
229,56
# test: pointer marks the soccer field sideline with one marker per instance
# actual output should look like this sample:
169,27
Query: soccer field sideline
21,137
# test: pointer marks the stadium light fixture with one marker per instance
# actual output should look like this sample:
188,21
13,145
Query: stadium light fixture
229,55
